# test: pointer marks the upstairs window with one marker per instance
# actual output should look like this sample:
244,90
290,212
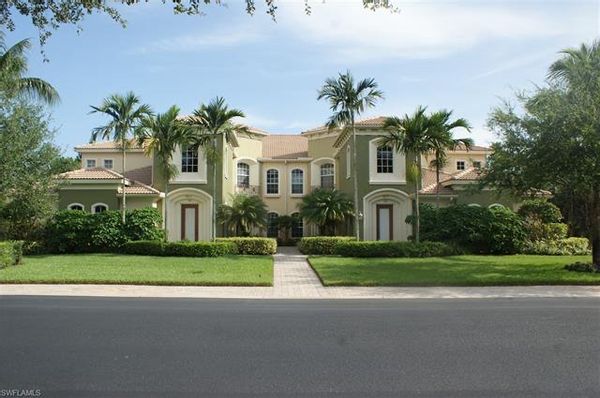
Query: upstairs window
297,182
243,175
297,226
327,176
108,163
272,182
189,159
385,160
460,165
477,164
272,228
90,163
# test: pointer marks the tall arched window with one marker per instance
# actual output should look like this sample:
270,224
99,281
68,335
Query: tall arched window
297,182
327,175
385,159
272,228
297,226
243,175
272,182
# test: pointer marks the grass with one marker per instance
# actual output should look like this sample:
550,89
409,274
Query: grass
142,270
452,271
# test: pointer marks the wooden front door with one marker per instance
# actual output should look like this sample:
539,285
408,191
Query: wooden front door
189,222
385,222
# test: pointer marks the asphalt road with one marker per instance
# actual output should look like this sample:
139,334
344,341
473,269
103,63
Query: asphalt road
106,347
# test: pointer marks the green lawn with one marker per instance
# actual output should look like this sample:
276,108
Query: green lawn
451,271
142,270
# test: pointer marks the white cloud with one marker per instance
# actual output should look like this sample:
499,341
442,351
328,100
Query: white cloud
517,62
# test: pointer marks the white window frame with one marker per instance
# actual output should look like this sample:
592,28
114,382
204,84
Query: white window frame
332,175
104,163
391,151
464,162
237,175
183,151
93,208
477,161
70,206
292,182
398,177
267,182
88,160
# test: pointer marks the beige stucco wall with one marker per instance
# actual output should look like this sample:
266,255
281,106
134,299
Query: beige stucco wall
284,202
453,157
134,160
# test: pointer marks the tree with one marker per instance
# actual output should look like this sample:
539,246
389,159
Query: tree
326,208
125,114
159,136
285,223
48,15
442,139
347,101
13,82
210,123
411,135
554,143
244,213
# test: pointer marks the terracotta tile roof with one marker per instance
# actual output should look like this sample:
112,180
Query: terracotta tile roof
429,182
138,189
143,175
470,174
95,173
284,146
107,145
372,122
473,148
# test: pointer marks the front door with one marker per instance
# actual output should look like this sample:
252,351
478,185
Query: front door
189,222
385,225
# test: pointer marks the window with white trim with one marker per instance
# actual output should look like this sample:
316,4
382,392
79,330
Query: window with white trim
189,159
243,175
297,226
90,163
385,160
272,228
477,164
108,163
75,206
460,165
297,182
272,182
99,208
327,175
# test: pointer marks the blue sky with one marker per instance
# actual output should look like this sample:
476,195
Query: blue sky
460,55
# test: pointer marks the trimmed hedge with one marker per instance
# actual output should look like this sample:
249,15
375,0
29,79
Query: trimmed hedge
11,253
562,247
321,244
394,249
179,249
253,245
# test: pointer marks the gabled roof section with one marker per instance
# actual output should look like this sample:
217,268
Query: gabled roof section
474,148
109,146
374,122
284,147
429,181
137,188
143,175
470,174
95,173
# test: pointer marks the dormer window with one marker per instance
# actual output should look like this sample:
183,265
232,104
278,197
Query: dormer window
108,164
243,175
477,164
189,159
90,163
460,165
385,160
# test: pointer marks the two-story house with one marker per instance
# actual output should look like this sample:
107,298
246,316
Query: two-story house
281,169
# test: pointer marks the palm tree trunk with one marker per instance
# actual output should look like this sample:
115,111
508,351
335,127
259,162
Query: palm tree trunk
355,177
437,180
214,201
166,210
417,210
124,203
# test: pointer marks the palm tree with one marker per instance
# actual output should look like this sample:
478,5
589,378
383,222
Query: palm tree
210,123
159,136
347,101
412,136
244,213
126,114
326,208
443,140
13,66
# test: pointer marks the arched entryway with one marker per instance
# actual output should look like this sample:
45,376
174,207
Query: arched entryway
190,214
385,212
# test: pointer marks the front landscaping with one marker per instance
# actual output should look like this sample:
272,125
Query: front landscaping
468,270
142,270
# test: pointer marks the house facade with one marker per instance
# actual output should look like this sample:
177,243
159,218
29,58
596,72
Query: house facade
281,169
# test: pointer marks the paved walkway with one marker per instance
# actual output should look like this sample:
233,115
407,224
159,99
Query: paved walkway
295,279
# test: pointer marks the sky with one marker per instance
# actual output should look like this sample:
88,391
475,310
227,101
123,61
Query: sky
466,56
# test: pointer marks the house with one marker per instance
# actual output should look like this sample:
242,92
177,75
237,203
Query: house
281,169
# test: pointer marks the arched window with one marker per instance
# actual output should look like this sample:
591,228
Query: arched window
76,206
297,226
327,175
297,182
243,175
272,182
99,208
385,159
272,228
495,205
189,159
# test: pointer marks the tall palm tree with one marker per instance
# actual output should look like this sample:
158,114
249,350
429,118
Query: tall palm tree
326,208
347,101
125,114
159,136
244,213
442,139
412,136
211,123
13,66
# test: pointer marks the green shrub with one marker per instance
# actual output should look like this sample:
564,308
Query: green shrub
33,247
539,231
199,249
144,247
69,231
107,231
393,249
143,224
541,209
321,244
581,267
506,233
253,246
11,253
562,247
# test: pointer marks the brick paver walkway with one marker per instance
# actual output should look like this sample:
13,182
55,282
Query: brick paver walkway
293,277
